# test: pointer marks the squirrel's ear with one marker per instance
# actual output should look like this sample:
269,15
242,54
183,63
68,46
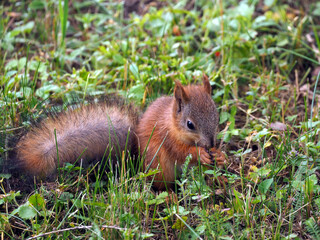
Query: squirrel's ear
206,84
180,95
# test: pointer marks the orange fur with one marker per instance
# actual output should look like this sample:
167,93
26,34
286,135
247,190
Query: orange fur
177,142
89,132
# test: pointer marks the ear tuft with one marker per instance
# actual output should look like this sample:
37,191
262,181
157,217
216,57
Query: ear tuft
206,84
180,95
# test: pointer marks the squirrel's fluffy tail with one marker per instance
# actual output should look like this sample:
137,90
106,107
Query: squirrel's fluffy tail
89,132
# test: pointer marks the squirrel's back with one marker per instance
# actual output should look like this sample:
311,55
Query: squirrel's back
90,132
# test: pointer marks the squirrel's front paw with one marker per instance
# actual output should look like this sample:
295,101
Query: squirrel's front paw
218,157
205,157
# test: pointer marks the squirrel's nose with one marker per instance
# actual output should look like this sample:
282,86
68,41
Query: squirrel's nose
209,143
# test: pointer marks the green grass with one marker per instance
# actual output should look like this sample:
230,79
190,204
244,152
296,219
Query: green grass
260,58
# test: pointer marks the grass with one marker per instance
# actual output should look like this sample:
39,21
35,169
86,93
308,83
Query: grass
262,59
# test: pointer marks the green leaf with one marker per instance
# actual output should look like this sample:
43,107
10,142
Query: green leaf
149,173
135,71
19,64
146,235
25,91
238,202
244,9
26,28
45,91
5,175
215,23
224,116
136,92
280,194
37,5
261,134
66,196
269,3
37,201
159,199
162,195
265,185
27,212
118,59
316,11
179,224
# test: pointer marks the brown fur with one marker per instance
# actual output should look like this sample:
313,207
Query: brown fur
168,116
88,132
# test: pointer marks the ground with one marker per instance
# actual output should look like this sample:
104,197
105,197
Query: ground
262,59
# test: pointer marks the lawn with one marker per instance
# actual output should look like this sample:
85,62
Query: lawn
263,62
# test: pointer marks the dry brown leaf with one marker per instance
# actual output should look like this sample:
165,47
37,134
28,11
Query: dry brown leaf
278,126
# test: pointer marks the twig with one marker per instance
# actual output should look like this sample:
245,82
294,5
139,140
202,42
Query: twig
75,228
224,133
297,83
11,129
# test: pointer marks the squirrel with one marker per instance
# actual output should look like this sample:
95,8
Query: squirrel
184,124
170,129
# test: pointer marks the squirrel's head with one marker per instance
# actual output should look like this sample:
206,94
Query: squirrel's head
195,114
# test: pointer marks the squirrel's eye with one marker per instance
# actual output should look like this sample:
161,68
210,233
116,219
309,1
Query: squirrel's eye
190,125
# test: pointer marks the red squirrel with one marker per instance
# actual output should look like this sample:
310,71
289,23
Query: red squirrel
183,124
